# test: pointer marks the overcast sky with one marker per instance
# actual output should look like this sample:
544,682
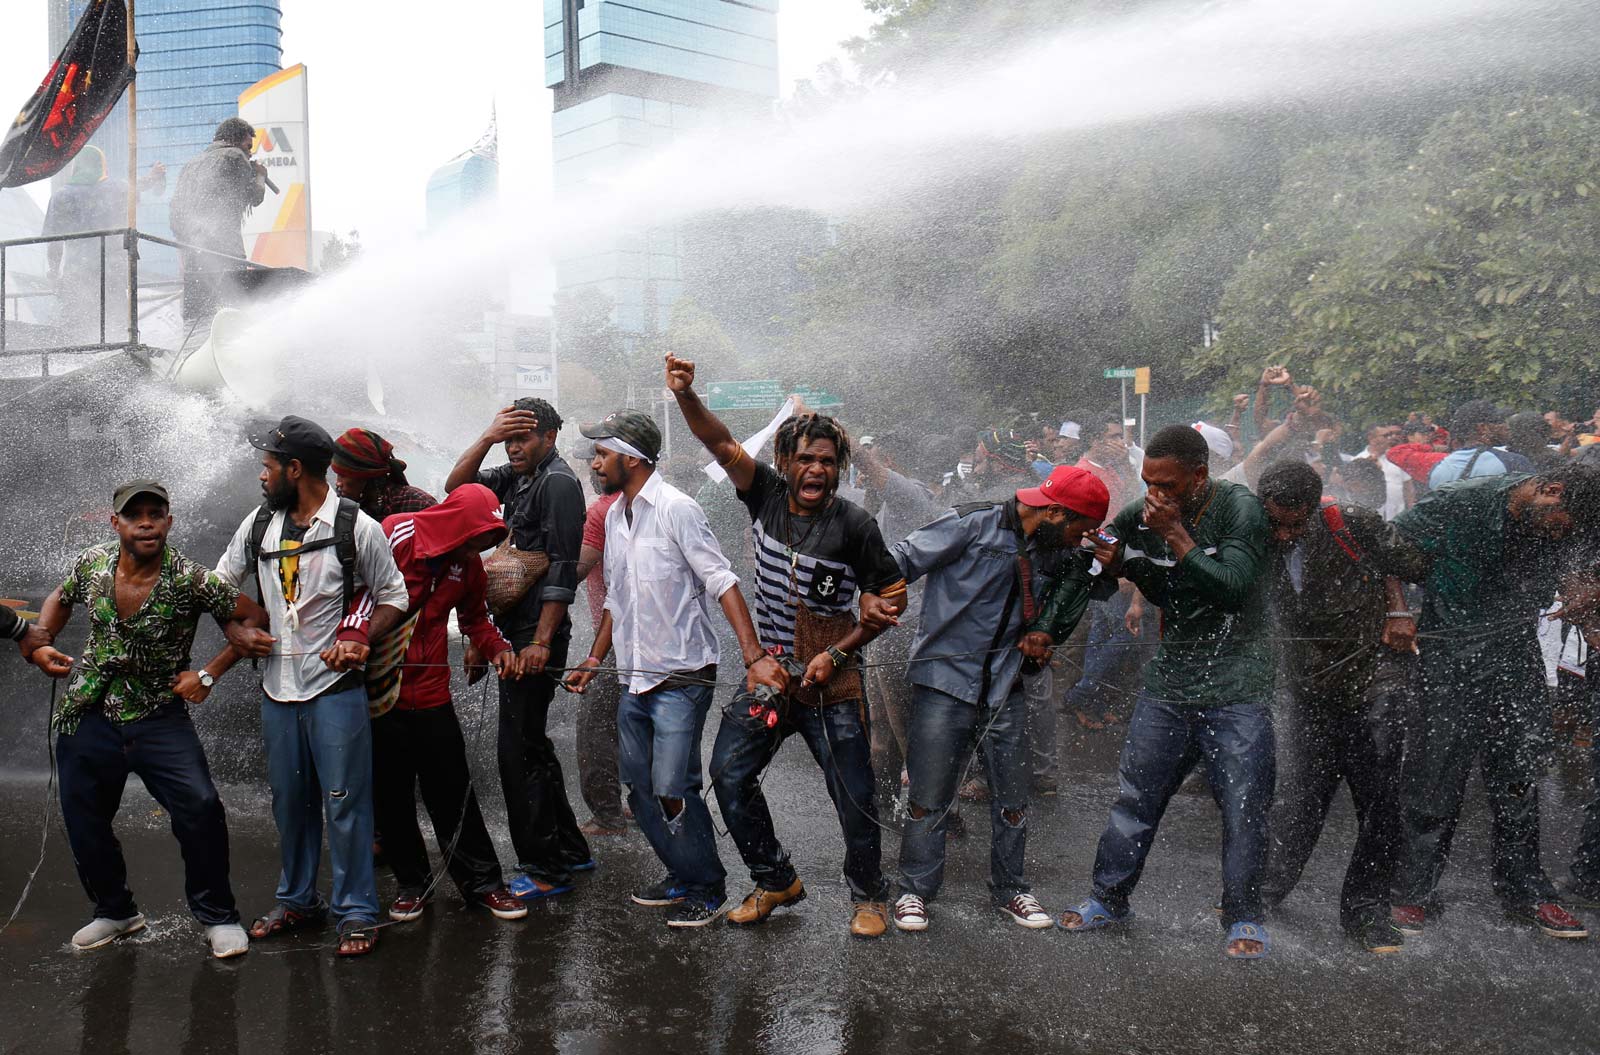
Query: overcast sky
394,97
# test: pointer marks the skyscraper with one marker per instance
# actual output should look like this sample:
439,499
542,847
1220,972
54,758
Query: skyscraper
629,75
195,57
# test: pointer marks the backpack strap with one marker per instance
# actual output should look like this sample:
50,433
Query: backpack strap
1334,518
1466,474
252,549
344,543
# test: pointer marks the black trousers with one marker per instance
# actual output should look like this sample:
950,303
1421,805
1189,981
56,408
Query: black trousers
425,748
1354,734
1483,704
543,830
165,753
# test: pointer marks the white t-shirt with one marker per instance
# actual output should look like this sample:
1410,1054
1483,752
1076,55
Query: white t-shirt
1394,485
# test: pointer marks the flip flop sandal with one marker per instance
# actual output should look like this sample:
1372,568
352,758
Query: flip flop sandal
1248,932
1093,914
283,919
367,932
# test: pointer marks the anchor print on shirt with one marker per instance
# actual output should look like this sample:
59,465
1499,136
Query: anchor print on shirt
825,586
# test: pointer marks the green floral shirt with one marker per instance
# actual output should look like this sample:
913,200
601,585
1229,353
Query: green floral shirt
127,666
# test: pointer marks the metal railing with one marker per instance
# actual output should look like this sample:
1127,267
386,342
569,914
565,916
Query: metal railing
10,301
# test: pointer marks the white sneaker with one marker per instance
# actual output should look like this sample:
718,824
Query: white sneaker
227,940
910,913
105,931
1026,912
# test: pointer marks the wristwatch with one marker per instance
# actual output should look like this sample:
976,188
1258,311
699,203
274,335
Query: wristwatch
206,679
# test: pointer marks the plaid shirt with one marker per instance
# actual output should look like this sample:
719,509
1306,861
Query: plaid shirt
395,498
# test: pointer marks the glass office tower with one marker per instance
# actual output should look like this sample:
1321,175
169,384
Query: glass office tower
628,76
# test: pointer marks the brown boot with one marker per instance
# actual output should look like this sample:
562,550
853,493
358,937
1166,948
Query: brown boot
760,902
870,919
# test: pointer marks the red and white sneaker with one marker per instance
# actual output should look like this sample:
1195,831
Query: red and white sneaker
501,903
1025,911
407,907
910,913
1408,918
1552,919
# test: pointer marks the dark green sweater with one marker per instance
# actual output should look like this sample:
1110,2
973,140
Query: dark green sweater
1214,647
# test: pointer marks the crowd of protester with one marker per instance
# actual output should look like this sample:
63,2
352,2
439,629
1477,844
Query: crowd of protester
1381,604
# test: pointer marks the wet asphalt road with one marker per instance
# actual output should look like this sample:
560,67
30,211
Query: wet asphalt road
590,973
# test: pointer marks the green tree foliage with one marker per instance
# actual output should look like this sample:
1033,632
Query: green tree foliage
694,333
586,335
1401,278
913,36
744,268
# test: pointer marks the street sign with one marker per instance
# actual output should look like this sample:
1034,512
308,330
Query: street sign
744,395
816,398
1141,381
1122,373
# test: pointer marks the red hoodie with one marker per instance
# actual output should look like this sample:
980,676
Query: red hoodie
419,541
1417,459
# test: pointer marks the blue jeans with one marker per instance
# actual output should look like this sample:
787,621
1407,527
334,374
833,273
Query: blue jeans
658,759
943,734
1164,743
837,737
165,752
319,759
1107,653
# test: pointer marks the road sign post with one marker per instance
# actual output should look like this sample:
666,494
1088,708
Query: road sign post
1141,388
1123,374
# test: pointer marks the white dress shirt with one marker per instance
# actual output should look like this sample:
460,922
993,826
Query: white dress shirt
295,672
1394,484
662,573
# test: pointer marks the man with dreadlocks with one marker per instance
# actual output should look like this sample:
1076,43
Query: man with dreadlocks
814,553
366,471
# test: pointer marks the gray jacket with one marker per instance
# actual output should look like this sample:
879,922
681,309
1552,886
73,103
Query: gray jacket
972,601
214,192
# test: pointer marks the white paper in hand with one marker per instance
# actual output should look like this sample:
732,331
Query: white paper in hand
753,445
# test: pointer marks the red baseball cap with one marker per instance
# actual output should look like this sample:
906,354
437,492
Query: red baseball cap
1077,489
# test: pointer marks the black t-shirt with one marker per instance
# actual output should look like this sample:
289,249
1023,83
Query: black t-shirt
544,513
821,561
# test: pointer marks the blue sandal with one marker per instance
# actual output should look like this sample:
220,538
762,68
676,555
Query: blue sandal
1093,914
1248,932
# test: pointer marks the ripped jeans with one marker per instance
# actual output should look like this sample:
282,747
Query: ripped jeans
942,735
658,759
319,761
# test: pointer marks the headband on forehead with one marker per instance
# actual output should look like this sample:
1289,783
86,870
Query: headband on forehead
611,443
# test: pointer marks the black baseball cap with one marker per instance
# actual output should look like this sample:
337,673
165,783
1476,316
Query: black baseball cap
122,496
633,427
295,437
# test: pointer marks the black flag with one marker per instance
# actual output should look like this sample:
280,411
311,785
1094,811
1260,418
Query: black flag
86,81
